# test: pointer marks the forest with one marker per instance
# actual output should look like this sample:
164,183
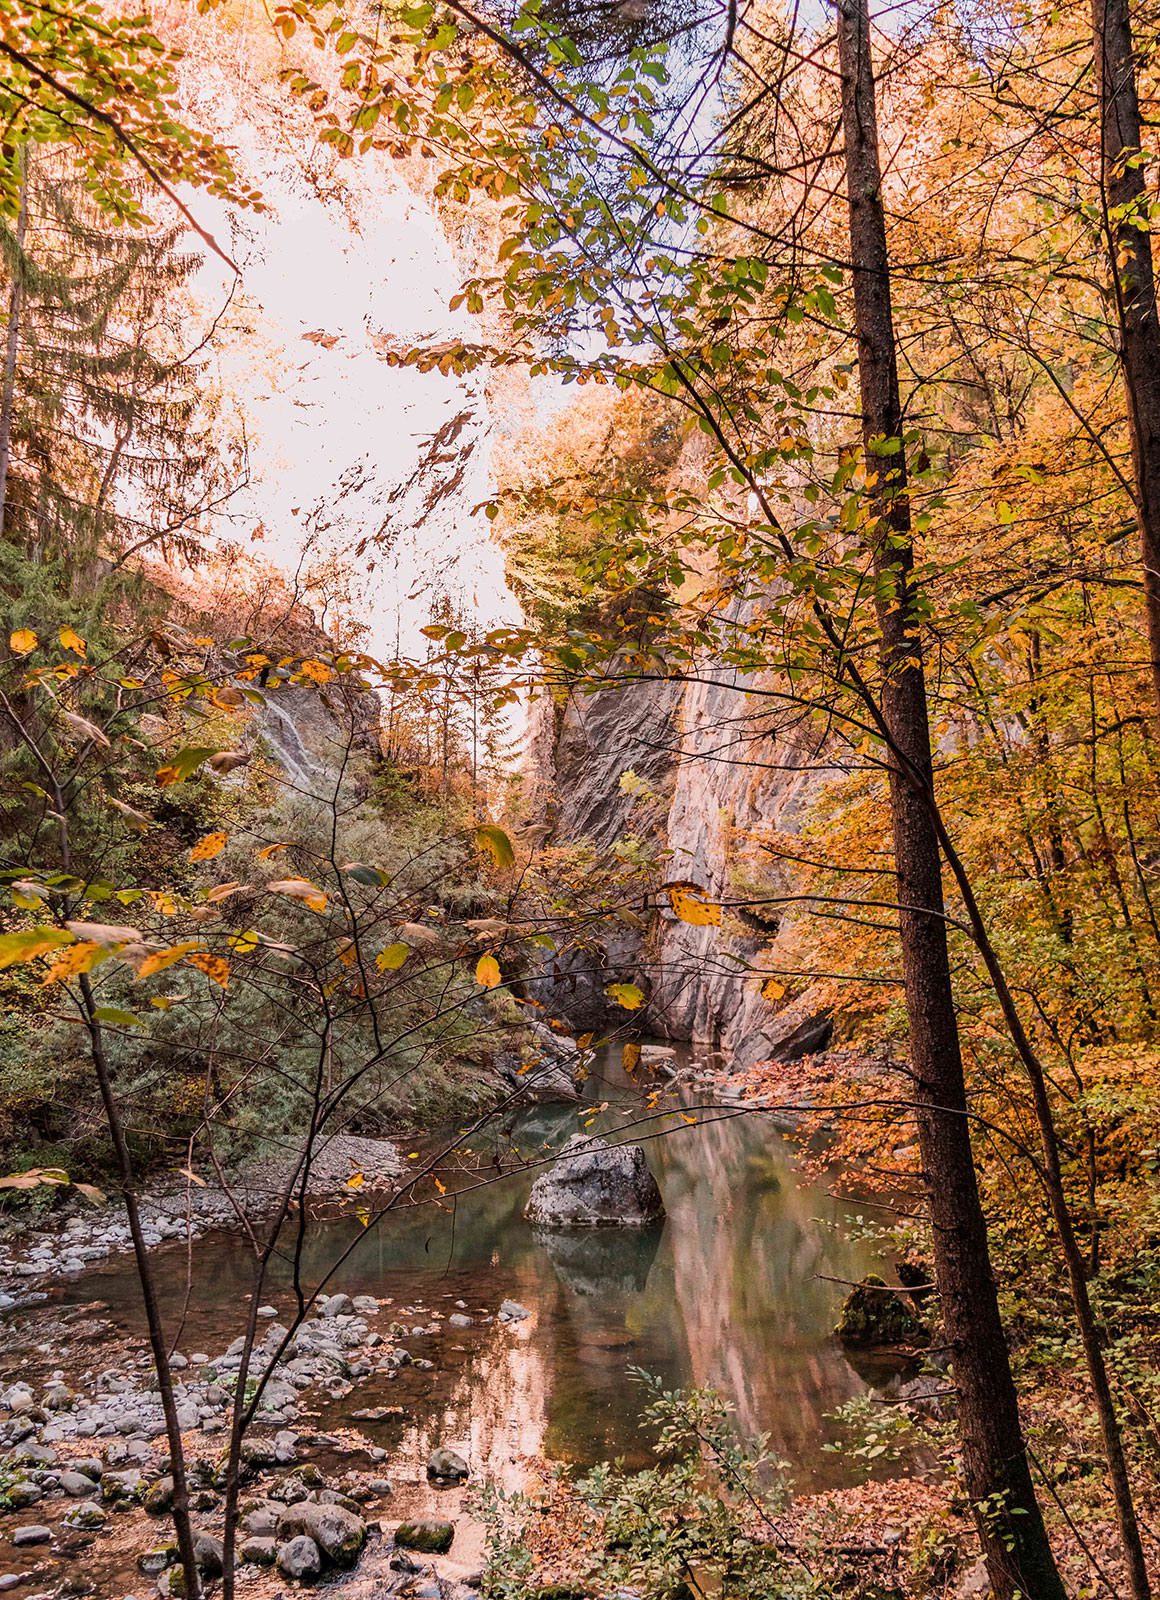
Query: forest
579,800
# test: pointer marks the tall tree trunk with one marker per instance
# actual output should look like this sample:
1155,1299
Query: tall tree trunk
12,341
995,1466
1122,193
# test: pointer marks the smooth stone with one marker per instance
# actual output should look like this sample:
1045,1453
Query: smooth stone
258,1552
299,1558
338,1532
32,1533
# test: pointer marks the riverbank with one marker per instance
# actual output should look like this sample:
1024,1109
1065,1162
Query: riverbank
40,1247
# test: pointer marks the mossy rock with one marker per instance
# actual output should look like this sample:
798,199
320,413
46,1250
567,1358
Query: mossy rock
433,1538
873,1314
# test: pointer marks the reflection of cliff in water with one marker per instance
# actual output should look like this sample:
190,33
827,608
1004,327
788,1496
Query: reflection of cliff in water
752,1249
732,1292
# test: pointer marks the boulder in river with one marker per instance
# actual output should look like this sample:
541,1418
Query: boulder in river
446,1466
595,1184
337,1532
874,1314
299,1558
602,1260
432,1538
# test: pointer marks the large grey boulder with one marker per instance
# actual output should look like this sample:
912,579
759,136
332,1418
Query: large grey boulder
596,1185
338,1533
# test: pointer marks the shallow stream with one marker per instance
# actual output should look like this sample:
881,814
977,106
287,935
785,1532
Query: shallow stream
738,1290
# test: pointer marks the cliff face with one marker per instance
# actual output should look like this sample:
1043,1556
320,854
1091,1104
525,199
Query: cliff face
712,782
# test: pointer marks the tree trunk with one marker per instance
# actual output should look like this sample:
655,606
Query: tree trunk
1125,209
12,341
995,1466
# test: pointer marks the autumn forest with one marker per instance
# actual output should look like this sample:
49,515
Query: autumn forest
579,800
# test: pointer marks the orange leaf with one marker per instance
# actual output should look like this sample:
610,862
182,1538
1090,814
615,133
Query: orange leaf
212,844
215,967
165,958
302,889
487,972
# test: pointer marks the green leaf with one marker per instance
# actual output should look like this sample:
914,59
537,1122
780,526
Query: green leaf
29,943
497,844
116,1017
372,877
626,995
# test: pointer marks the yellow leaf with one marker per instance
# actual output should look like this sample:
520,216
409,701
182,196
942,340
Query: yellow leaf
161,959
28,943
212,844
772,989
302,889
72,641
487,972
22,641
626,995
80,957
688,905
269,850
497,844
630,1057
355,1181
215,967
442,1187
392,958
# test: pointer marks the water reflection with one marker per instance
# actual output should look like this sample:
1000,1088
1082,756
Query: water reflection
732,1292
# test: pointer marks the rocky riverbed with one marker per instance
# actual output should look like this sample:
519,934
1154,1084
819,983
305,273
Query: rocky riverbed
84,1472
36,1248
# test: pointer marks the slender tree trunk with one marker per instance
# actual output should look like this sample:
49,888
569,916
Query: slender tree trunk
12,341
1124,201
995,1466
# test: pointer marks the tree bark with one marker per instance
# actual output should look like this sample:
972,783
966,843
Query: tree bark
12,341
996,1471
1124,203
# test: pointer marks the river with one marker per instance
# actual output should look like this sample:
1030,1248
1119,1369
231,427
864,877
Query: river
739,1290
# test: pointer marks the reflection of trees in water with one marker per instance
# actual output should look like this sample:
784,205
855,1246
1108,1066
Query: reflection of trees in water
748,1245
729,1296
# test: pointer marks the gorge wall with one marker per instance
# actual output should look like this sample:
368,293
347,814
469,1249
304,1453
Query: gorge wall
712,785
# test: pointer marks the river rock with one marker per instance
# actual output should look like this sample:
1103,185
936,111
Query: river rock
23,1494
32,1533
262,1522
86,1514
161,1557
78,1484
434,1538
209,1554
337,1532
299,1558
159,1497
258,1552
873,1314
596,1185
446,1466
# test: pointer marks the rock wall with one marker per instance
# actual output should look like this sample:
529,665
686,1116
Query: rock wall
713,778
